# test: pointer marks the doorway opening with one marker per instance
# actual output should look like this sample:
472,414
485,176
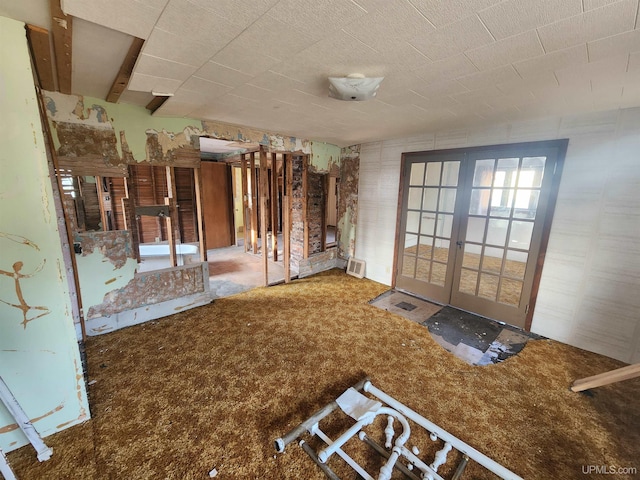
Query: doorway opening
474,225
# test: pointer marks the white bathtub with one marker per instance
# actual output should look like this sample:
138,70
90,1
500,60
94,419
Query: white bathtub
162,249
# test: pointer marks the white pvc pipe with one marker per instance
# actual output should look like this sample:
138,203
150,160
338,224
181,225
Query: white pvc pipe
458,444
429,473
44,452
5,468
355,465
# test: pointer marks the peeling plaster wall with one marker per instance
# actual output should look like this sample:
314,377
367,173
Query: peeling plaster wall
121,134
39,356
130,128
348,201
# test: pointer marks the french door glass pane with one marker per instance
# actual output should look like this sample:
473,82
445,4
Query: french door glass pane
488,287
413,222
444,225
492,260
447,200
515,264
468,281
430,199
415,198
417,174
536,166
479,201
520,236
471,258
483,173
510,292
433,174
497,232
475,229
526,204
450,174
438,273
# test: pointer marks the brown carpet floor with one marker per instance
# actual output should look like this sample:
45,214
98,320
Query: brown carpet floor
214,386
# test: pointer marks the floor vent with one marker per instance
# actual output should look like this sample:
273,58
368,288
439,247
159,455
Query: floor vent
355,267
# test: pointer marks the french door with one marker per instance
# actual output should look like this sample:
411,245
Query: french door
473,225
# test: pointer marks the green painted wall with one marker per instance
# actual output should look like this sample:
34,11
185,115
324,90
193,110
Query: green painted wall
324,156
39,357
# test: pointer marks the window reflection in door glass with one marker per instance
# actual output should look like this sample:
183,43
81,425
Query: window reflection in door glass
483,173
450,171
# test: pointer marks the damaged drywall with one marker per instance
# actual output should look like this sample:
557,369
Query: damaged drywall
348,201
39,356
150,288
116,246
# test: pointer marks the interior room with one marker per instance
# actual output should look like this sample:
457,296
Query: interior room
217,217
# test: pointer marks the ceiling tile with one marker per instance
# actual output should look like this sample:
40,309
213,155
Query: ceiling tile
438,89
135,98
509,50
515,16
450,68
242,14
593,25
544,79
250,62
603,70
489,78
606,47
553,61
634,63
135,18
399,20
159,67
197,24
252,92
442,13
303,15
477,97
453,39
222,74
149,83
176,48
98,52
276,82
204,87
592,4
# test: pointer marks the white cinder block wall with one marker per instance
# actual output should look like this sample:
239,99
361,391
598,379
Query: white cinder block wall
589,293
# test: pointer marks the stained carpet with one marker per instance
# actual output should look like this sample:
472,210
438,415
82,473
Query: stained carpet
213,387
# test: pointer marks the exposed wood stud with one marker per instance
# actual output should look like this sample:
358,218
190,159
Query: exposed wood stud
197,180
305,207
254,203
126,69
245,201
156,103
264,188
287,183
61,28
172,219
41,52
274,206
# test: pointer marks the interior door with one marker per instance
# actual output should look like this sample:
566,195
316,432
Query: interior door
217,204
473,225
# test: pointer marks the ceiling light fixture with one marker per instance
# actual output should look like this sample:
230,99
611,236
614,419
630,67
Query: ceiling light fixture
354,87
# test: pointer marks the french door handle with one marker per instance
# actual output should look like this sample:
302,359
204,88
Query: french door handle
460,243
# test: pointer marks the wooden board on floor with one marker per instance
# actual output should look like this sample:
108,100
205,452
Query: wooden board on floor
618,375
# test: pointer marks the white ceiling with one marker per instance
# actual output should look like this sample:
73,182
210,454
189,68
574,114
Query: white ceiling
447,64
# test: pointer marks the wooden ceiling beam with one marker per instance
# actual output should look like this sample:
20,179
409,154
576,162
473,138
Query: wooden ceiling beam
126,69
156,103
61,28
41,53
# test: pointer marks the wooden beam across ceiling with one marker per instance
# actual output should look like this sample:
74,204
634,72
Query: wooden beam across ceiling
41,52
61,28
126,69
156,103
